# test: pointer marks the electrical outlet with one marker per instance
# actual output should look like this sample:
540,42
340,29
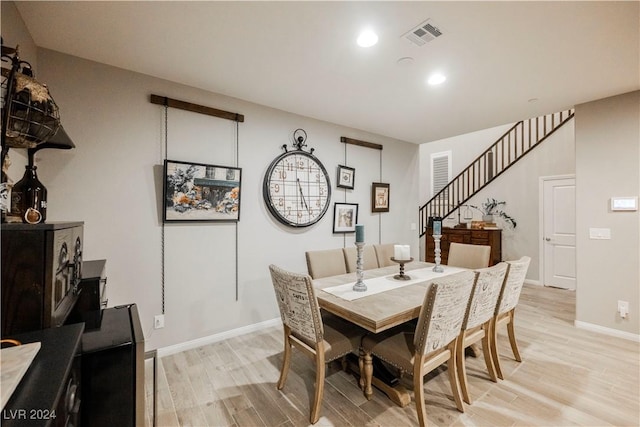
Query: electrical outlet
158,321
623,308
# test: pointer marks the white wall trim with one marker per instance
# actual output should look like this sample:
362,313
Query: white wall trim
199,342
533,282
607,331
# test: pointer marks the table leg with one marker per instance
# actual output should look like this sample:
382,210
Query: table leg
397,393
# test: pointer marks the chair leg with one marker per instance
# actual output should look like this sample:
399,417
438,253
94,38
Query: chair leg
494,348
486,349
418,390
368,374
454,377
512,336
344,364
286,362
317,401
458,358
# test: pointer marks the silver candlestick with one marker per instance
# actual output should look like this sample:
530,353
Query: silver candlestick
359,286
437,268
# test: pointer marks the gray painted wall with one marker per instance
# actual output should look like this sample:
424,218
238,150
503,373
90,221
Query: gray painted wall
112,182
607,165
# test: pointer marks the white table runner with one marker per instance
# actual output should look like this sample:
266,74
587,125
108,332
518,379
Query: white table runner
377,285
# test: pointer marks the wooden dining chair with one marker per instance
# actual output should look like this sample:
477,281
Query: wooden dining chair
369,260
477,325
430,344
384,252
324,263
468,256
505,309
322,339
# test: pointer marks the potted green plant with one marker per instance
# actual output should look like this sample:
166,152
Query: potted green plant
492,208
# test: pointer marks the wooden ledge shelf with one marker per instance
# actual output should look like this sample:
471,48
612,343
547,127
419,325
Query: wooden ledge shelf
360,143
195,108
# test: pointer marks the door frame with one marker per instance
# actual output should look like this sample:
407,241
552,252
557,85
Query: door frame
541,182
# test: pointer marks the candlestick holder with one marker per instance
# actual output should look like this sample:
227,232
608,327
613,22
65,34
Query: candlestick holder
437,268
360,285
402,262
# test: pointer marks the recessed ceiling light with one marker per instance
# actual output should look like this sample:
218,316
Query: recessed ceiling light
436,79
367,38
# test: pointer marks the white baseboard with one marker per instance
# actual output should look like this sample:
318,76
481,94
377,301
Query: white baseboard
199,342
532,282
607,331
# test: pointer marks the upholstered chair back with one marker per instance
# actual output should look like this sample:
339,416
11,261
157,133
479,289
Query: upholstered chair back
484,297
468,256
443,312
298,305
384,253
513,284
369,260
325,263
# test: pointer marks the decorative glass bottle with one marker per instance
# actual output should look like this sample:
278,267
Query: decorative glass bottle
29,197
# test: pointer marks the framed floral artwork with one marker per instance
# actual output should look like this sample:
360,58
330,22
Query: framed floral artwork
200,192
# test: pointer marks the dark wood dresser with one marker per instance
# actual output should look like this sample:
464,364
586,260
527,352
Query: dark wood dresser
491,238
41,269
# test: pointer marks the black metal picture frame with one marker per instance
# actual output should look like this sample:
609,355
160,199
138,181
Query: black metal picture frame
346,177
380,193
345,217
201,192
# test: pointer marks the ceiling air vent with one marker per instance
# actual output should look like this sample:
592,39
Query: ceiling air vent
423,33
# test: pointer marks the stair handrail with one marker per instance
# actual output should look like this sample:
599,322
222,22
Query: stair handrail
485,161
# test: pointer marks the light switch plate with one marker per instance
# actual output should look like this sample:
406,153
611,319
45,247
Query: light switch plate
624,203
600,233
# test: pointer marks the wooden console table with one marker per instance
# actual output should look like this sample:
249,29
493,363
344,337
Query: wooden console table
491,238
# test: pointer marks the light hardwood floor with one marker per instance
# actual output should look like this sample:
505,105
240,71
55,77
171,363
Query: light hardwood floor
568,377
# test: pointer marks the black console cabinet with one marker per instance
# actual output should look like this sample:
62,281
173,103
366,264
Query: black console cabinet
49,393
92,298
113,370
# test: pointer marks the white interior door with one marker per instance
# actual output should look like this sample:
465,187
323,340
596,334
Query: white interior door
559,233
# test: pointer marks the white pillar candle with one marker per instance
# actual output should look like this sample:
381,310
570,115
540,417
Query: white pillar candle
397,251
406,252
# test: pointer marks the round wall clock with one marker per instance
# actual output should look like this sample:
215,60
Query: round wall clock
296,187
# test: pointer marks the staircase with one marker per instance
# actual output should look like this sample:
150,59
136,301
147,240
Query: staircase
523,137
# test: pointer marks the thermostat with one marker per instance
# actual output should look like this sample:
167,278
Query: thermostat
624,203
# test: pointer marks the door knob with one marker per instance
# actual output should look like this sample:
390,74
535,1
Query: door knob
548,239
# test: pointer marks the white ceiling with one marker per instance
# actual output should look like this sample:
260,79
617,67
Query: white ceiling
302,57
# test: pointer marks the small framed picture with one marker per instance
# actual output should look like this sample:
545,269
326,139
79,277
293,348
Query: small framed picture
345,217
346,177
379,197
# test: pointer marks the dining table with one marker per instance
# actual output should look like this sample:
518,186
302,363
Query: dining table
387,302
